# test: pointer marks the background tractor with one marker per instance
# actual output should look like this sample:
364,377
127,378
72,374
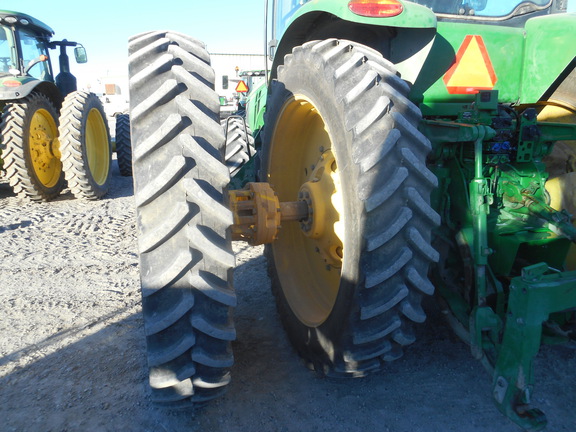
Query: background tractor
404,148
51,133
240,151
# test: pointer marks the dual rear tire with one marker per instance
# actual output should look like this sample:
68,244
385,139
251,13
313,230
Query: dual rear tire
180,188
343,136
340,135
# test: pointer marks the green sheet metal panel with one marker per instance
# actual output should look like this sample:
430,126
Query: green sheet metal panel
526,61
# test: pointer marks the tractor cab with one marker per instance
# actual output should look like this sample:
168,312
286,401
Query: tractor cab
25,60
24,47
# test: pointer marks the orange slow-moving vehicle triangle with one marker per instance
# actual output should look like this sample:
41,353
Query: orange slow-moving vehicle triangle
241,87
472,71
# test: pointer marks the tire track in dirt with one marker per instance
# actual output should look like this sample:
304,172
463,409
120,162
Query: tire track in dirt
72,346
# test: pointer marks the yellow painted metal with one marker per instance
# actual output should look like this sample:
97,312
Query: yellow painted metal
44,148
256,211
258,214
324,203
308,266
561,164
97,146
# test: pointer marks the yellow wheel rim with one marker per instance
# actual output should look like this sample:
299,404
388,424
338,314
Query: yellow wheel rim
97,146
44,148
308,256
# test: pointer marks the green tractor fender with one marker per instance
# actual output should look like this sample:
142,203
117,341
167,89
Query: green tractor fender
550,55
409,35
15,88
529,62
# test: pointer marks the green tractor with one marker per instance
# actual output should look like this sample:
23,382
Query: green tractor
52,134
404,149
240,151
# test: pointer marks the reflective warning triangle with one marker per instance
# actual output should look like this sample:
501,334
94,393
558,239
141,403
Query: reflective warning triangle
241,87
472,70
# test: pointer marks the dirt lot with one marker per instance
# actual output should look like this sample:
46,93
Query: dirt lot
72,354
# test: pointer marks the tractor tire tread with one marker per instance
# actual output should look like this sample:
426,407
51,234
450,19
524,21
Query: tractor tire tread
123,145
394,185
73,128
186,256
19,173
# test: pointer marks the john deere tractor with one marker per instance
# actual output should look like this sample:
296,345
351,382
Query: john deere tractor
404,149
51,133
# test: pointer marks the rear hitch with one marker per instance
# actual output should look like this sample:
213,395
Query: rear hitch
534,295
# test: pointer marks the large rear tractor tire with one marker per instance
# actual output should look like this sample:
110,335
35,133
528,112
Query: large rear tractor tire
123,145
85,144
180,188
31,148
341,134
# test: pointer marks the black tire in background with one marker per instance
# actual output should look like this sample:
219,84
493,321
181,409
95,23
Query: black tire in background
180,187
239,143
338,107
31,150
123,145
85,145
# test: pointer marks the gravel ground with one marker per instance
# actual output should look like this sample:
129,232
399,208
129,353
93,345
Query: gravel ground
72,352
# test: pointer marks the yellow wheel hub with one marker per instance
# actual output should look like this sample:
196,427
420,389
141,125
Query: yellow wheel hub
45,148
97,148
301,166
324,203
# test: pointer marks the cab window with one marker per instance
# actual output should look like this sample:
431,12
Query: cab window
32,48
7,51
480,8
